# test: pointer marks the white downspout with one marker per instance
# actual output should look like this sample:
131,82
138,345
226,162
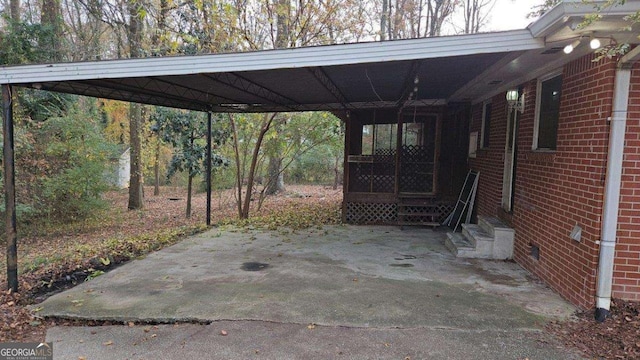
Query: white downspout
612,184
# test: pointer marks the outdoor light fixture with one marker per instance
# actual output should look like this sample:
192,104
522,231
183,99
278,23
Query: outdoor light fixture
569,48
594,43
515,101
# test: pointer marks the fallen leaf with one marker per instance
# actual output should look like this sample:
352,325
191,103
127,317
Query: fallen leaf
154,335
108,343
387,344
11,303
131,324
311,326
223,332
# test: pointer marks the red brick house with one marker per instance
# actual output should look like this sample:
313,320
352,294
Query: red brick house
559,164
572,189
552,164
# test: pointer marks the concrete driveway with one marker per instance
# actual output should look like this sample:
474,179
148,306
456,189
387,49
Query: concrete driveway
337,292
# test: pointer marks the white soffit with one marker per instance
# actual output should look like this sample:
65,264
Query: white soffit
568,11
319,56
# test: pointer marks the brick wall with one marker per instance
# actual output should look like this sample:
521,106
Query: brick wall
626,271
557,190
489,161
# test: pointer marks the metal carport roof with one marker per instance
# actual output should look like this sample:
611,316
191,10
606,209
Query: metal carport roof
335,77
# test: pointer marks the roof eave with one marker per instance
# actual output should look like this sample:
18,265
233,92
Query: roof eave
335,55
567,10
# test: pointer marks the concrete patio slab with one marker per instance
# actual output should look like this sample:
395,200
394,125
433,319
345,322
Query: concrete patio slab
341,279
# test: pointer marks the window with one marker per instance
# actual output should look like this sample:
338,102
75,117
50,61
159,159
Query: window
548,113
379,139
486,126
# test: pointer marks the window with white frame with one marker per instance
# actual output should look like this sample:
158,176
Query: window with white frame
547,112
486,125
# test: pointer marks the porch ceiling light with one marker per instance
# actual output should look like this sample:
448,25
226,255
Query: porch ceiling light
515,100
569,48
594,43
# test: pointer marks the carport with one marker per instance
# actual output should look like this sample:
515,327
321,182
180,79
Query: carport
346,78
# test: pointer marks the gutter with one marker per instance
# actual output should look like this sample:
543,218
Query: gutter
613,183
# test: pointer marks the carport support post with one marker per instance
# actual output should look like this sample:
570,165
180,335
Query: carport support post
9,190
208,176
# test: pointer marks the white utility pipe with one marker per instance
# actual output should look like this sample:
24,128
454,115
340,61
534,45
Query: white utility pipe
612,185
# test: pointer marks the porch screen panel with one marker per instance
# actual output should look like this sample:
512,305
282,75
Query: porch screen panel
374,171
418,155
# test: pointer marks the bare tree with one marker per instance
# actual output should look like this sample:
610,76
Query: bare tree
135,29
475,14
402,19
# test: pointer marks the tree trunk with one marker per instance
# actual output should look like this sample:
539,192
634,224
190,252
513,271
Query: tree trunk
266,124
189,186
14,6
50,16
383,20
239,165
336,170
275,183
275,180
136,196
156,169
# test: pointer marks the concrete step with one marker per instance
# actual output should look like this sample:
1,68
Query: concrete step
460,246
482,241
503,236
491,225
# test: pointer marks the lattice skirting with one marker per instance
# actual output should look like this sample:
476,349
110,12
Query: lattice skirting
371,213
387,213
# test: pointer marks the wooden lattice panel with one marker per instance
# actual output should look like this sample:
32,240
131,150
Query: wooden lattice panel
386,152
443,211
383,183
361,183
371,213
416,153
416,169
